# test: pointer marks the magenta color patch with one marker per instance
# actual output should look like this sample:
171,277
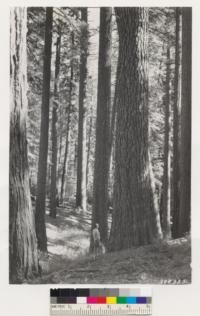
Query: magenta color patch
91,300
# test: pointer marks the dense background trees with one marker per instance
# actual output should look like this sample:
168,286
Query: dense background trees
108,124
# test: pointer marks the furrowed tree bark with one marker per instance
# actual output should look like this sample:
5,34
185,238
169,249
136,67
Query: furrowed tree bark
136,220
53,189
176,132
165,205
101,166
23,258
81,194
68,121
44,128
185,147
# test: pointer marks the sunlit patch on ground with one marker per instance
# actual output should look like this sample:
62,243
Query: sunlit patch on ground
68,236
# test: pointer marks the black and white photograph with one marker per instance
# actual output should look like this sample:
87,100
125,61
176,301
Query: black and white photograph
100,145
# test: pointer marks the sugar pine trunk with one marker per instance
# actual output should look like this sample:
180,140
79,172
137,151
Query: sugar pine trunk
81,195
101,166
185,148
176,131
166,205
135,220
53,189
44,129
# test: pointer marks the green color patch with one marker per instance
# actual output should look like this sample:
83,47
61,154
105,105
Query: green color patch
121,300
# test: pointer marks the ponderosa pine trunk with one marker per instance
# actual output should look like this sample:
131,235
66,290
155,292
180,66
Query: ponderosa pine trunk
135,221
112,132
176,132
23,258
185,146
65,156
165,205
101,165
88,149
75,158
68,120
81,190
60,138
53,189
44,129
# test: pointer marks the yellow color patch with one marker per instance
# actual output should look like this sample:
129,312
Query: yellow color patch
111,300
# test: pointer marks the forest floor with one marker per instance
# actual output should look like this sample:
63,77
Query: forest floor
69,260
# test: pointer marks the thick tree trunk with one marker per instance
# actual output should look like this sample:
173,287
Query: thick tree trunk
136,220
185,148
81,195
166,210
53,190
23,259
44,128
101,166
176,133
68,120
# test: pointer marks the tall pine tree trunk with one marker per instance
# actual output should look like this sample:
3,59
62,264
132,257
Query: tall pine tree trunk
60,140
166,212
68,120
176,134
44,129
53,190
75,158
65,155
88,149
101,166
185,147
135,221
81,194
112,131
23,259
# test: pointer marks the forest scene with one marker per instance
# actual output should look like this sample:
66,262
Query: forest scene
100,145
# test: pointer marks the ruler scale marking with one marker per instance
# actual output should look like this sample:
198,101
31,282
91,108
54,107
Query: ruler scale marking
102,301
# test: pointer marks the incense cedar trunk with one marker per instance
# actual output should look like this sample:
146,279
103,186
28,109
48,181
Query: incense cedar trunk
22,239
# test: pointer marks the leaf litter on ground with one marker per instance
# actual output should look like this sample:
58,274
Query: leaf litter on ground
69,260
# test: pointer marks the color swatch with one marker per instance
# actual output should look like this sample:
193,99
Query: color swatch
101,296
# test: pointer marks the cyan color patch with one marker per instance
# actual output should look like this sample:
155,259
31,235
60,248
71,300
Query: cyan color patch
130,300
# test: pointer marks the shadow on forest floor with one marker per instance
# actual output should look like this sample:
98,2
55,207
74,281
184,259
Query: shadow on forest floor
69,261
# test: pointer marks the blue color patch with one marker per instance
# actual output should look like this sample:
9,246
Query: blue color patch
141,300
130,300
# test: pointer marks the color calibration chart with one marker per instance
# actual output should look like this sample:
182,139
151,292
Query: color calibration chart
101,301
